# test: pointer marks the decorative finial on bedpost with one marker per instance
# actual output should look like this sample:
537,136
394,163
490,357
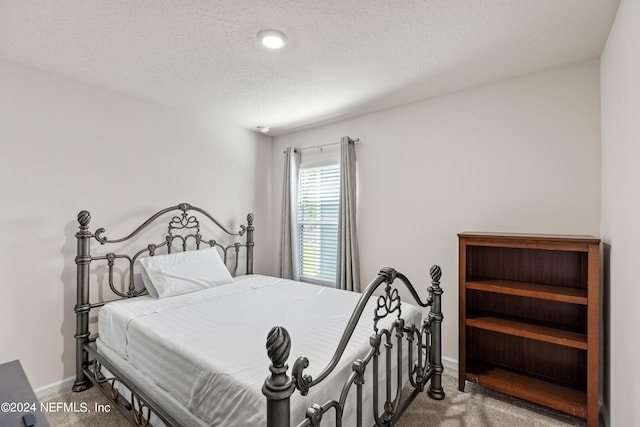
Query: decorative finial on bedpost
84,217
278,346
436,274
250,218
435,390
278,387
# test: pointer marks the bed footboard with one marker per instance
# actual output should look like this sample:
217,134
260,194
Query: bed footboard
422,368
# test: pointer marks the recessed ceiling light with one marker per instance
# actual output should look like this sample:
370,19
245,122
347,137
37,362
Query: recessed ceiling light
272,39
263,129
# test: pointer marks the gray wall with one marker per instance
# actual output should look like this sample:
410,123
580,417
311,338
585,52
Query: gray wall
521,155
67,146
620,83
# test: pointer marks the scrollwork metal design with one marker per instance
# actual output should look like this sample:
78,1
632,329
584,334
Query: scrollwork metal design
84,217
184,222
111,258
115,393
301,380
99,237
138,408
387,304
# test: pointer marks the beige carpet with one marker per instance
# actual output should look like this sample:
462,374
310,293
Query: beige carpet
90,398
477,407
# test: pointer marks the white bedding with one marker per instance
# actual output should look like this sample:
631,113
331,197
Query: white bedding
207,348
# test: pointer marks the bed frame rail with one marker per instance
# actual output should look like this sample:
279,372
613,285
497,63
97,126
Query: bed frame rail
425,367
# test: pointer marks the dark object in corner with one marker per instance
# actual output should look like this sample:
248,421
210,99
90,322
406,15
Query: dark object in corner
14,389
29,420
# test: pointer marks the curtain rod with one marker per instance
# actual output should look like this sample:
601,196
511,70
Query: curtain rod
319,147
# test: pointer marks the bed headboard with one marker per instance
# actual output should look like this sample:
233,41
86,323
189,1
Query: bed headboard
183,232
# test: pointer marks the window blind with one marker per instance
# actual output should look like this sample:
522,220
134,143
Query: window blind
318,203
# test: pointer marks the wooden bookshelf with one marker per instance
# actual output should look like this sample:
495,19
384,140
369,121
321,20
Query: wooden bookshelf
530,318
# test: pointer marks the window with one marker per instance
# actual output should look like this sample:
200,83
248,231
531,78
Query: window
318,203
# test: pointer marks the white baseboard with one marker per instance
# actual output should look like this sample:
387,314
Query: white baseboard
450,363
56,387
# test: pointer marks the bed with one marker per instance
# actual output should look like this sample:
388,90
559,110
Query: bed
181,345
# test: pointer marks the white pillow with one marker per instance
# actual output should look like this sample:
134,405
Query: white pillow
183,272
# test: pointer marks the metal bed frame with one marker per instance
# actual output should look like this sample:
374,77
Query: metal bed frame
424,364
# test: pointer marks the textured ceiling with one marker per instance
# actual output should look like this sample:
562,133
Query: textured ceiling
344,57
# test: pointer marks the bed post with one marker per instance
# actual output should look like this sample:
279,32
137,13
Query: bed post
83,259
278,387
250,229
435,390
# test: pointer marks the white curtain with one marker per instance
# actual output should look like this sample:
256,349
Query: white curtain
348,274
289,259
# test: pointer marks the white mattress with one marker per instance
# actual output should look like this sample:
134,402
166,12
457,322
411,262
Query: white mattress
207,348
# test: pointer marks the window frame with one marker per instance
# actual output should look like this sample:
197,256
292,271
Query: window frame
320,162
